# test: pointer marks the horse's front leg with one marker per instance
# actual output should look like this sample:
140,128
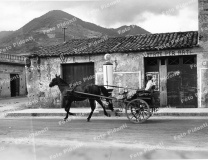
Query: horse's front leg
67,104
92,105
66,109
64,103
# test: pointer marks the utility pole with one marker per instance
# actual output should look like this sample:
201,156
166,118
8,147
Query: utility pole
64,28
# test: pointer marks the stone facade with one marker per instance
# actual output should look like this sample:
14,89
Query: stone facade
43,70
202,67
12,65
128,71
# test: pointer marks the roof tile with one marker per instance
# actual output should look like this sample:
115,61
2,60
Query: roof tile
144,42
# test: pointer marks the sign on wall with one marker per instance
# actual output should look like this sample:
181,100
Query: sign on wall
155,78
170,53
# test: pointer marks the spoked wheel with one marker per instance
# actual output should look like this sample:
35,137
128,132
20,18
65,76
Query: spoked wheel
138,111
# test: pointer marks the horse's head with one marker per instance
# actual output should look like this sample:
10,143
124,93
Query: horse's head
54,81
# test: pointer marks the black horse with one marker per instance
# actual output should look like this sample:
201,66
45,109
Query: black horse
68,98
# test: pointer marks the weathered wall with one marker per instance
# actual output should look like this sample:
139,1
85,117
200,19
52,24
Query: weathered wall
39,75
202,77
5,85
5,71
203,58
128,69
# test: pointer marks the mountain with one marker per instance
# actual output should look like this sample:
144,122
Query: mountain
130,30
47,30
5,33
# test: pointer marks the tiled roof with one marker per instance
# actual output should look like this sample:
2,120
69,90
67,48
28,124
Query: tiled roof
137,43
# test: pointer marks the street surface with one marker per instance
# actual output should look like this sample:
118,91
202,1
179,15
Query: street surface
103,138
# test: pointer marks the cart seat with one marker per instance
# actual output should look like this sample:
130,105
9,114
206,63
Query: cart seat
143,93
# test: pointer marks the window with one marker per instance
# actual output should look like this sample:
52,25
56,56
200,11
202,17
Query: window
152,62
162,61
173,61
188,60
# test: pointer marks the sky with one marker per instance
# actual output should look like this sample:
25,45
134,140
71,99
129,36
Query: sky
155,16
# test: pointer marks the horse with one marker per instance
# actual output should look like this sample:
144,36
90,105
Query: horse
68,98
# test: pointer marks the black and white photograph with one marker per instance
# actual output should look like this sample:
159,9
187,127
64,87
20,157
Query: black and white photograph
103,79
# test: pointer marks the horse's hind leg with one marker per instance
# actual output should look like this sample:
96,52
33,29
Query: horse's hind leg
100,102
92,105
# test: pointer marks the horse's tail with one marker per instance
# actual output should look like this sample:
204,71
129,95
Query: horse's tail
104,91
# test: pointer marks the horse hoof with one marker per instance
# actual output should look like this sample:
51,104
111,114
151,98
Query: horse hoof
109,115
88,120
65,119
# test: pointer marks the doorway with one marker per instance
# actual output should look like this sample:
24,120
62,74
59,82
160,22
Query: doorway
14,85
177,80
79,74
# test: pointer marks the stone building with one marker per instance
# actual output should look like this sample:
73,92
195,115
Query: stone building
12,76
178,61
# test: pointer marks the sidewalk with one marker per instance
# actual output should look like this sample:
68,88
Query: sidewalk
13,104
17,107
99,112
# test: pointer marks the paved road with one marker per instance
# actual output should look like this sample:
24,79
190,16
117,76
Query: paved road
103,138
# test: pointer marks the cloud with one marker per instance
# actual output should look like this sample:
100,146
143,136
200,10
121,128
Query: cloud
135,11
155,16
148,14
13,16
165,23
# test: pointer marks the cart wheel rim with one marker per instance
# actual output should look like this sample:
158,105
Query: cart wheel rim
137,111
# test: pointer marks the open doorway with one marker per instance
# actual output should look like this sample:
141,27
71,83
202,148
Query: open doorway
176,80
14,85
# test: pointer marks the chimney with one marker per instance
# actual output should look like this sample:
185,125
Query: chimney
203,23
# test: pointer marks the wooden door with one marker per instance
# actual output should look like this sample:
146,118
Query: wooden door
174,81
182,81
78,73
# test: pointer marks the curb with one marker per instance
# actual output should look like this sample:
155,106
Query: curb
179,114
101,113
47,114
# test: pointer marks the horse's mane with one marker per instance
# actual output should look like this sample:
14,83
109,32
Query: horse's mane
104,91
63,82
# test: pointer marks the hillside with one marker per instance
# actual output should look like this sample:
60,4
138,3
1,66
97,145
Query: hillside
47,30
130,30
5,34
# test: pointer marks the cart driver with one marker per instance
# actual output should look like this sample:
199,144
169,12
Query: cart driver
150,86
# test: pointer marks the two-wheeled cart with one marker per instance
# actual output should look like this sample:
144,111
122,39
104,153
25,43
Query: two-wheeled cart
138,108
